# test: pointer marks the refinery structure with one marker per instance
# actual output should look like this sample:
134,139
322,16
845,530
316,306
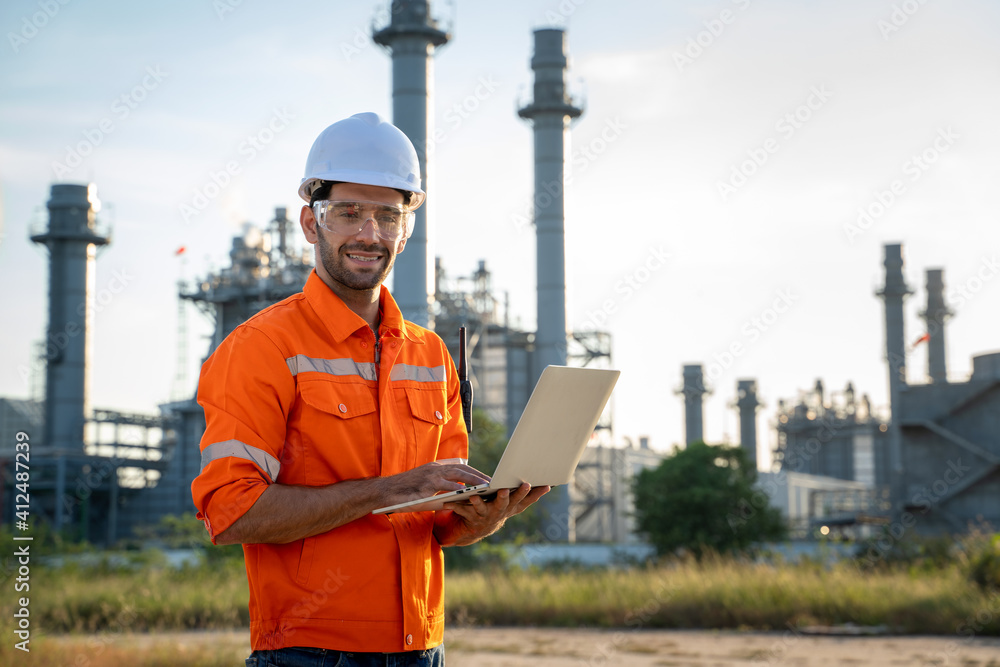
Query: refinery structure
840,465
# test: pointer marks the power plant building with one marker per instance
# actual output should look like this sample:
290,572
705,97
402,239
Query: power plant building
935,455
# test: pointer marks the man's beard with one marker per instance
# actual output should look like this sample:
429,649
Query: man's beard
334,265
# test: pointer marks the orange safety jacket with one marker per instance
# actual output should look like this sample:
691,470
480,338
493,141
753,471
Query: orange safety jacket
294,396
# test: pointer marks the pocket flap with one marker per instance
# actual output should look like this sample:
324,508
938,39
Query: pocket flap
429,405
343,400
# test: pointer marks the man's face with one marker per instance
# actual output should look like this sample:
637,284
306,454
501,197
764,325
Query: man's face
359,261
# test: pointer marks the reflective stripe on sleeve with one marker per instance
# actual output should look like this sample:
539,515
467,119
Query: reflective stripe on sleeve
417,373
300,363
241,450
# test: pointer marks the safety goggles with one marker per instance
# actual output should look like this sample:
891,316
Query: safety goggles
350,217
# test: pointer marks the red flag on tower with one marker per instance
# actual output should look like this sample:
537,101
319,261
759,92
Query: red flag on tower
923,339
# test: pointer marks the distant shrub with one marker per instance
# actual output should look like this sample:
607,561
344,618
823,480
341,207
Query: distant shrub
913,553
983,560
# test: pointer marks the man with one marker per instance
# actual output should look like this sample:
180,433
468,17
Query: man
327,406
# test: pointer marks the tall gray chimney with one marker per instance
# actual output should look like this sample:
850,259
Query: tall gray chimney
747,403
893,293
935,315
550,113
694,392
411,37
72,241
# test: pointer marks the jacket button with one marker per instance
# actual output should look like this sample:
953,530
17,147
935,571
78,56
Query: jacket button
437,413
409,639
364,344
342,407
395,344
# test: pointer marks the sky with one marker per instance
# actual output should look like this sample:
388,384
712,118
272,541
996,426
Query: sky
731,183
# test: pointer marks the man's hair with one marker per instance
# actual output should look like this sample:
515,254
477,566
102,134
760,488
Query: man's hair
323,192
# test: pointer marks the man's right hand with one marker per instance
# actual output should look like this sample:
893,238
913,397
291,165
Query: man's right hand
430,479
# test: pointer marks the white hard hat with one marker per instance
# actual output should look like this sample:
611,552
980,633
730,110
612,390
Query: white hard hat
365,149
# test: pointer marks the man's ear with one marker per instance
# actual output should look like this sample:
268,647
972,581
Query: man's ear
308,223
402,244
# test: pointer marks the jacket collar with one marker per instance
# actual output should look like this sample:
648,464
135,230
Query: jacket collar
342,322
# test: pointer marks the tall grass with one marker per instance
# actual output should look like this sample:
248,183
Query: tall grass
723,593
713,593
112,650
79,599
105,604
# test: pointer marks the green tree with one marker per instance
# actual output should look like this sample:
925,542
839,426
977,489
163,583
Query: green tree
703,498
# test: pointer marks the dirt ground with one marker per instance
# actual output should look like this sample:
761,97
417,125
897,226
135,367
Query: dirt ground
646,648
544,647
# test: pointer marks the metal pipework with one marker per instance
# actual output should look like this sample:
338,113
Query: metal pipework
411,37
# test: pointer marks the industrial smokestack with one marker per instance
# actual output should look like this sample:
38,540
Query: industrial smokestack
72,242
893,293
550,113
746,401
935,315
694,392
411,37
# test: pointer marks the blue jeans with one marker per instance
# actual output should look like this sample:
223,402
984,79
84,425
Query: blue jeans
321,657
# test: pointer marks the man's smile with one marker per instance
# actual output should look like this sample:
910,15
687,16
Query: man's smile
368,259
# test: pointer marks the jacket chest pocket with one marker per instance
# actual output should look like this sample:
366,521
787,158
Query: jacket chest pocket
429,412
337,432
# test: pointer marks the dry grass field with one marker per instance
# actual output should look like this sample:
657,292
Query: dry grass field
924,612
551,647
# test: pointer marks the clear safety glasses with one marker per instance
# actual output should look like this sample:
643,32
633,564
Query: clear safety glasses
350,217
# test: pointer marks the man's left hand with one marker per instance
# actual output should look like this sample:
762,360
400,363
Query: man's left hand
473,520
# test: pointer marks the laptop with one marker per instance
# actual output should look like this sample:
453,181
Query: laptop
548,440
